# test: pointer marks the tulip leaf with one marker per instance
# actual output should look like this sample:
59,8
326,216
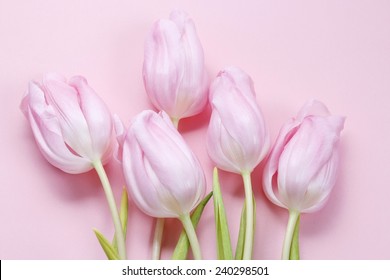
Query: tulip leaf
224,247
183,243
110,251
123,213
241,234
294,250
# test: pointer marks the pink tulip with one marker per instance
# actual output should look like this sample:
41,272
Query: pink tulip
71,124
164,177
237,139
301,168
174,71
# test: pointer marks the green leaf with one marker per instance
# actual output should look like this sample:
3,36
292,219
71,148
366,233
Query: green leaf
124,210
241,234
224,247
183,244
110,251
123,213
294,250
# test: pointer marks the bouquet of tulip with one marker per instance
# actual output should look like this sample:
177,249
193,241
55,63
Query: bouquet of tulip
76,132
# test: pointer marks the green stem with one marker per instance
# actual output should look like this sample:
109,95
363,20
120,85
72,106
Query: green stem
294,251
113,209
292,220
249,231
190,230
158,233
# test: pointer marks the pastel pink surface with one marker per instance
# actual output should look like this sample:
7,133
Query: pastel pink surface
335,51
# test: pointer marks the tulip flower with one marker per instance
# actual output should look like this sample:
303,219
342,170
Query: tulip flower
301,169
71,124
164,177
173,71
237,138
73,129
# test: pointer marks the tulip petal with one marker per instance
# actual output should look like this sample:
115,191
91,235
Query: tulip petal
192,95
97,116
120,137
170,159
48,135
301,169
243,129
320,187
164,176
312,108
64,99
161,57
244,139
174,74
221,147
307,153
135,175
234,77
271,168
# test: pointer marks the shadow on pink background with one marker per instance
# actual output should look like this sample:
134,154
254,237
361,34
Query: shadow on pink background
334,51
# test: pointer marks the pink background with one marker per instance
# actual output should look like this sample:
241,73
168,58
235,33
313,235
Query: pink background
334,51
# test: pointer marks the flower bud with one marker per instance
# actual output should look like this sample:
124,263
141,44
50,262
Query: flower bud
301,169
71,124
163,176
174,71
237,139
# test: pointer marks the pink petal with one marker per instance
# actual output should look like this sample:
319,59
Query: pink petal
174,73
169,148
193,90
120,137
161,167
135,175
312,108
304,156
162,58
246,140
97,116
320,187
64,99
271,168
222,148
47,133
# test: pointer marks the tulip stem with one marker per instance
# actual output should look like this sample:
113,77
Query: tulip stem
292,220
113,209
190,231
294,251
249,230
158,233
